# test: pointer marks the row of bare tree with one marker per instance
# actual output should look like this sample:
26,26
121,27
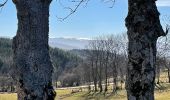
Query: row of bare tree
107,61
163,57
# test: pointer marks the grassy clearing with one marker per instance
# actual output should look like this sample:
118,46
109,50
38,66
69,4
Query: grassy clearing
67,95
8,96
121,95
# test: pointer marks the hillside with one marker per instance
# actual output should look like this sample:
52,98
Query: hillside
62,61
68,43
5,55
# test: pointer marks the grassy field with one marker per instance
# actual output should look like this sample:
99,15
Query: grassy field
7,96
66,93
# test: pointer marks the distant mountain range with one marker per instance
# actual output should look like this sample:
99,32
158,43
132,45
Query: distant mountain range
66,43
69,43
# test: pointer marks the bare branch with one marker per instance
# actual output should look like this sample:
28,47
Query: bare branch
167,29
110,1
78,3
1,5
72,10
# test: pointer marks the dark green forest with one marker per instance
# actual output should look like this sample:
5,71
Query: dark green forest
63,62
92,66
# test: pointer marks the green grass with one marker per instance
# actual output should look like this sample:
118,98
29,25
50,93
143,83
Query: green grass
66,94
8,96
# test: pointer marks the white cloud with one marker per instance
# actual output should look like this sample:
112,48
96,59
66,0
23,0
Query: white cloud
163,3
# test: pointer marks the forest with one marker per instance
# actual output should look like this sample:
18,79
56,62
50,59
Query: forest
101,67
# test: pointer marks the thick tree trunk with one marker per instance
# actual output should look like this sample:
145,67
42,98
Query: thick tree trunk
144,28
32,66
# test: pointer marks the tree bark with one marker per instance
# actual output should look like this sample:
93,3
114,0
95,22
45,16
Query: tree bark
144,28
168,75
32,66
100,76
106,70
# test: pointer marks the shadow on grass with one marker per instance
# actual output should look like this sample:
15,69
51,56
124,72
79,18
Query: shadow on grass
93,96
67,95
101,96
114,95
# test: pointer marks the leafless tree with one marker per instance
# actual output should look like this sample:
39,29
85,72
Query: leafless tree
107,51
114,59
91,57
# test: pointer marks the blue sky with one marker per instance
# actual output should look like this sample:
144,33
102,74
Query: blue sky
90,21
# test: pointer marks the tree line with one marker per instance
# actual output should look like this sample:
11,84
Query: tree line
103,61
106,62
105,54
63,61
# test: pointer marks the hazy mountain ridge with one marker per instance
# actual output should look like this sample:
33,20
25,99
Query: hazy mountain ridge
69,43
65,43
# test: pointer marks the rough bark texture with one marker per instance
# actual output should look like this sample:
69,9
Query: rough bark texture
144,28
32,65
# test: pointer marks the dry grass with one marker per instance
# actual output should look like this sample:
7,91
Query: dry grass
66,94
8,96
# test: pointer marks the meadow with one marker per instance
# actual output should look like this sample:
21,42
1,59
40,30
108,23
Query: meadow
162,92
66,94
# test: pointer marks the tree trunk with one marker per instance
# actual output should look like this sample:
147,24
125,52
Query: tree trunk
100,76
144,28
94,75
158,73
114,77
105,90
168,74
95,84
114,85
32,66
106,70
121,78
